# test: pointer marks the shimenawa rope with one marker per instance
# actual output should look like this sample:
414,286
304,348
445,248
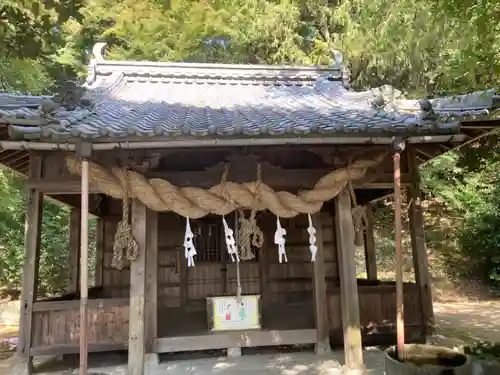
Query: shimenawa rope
221,199
160,195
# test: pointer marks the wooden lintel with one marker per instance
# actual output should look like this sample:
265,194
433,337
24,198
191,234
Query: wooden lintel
319,290
58,186
75,304
291,179
137,339
346,249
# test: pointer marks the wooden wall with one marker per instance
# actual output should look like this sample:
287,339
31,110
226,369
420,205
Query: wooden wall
56,326
116,283
179,285
377,307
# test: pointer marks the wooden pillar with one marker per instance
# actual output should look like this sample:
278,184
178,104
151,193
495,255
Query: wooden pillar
84,269
137,331
419,251
370,254
30,268
74,250
99,251
151,279
319,290
348,285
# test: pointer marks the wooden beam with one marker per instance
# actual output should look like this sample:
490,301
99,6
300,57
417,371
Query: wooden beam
370,252
54,350
62,186
283,179
348,284
136,343
74,250
319,290
151,312
30,268
419,251
99,251
223,340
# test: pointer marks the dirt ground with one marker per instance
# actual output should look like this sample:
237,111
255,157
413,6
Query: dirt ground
459,320
469,320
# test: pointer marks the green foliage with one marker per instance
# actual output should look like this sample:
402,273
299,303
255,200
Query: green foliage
23,76
422,47
54,240
31,28
483,350
467,185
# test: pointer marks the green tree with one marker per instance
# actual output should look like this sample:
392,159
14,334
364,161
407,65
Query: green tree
421,47
54,239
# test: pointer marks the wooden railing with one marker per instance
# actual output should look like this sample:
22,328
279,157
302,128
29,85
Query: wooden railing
377,309
56,326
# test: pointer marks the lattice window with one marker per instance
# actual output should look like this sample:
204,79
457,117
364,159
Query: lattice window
209,239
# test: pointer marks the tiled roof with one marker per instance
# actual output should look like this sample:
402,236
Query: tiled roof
143,99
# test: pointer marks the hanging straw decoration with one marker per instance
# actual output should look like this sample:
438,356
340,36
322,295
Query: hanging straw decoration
358,212
279,239
250,234
189,249
124,240
312,239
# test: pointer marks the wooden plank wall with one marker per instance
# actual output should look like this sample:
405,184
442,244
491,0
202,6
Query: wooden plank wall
58,323
116,283
377,307
287,282
293,280
171,252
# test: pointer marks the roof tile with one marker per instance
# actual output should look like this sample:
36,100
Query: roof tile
215,100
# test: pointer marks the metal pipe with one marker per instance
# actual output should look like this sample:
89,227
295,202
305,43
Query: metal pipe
41,146
225,142
400,326
84,257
